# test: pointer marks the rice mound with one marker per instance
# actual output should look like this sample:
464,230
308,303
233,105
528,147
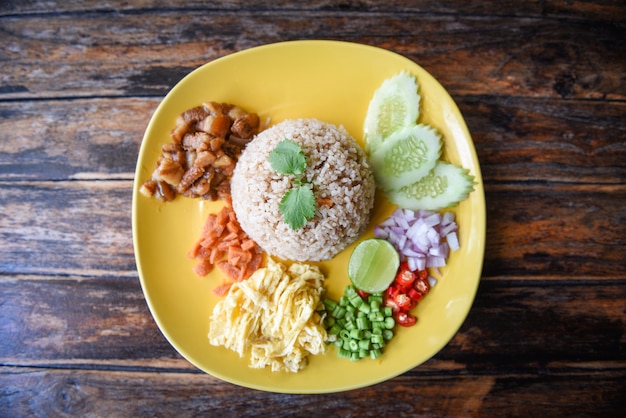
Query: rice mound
339,170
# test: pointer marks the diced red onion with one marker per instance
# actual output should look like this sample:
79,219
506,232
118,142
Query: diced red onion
453,241
380,232
398,230
434,261
402,241
446,229
432,220
402,223
432,235
448,218
440,250
424,239
388,222
408,251
432,281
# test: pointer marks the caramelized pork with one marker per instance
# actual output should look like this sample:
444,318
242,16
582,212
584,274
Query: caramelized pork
206,143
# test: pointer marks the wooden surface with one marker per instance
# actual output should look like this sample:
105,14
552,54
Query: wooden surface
542,87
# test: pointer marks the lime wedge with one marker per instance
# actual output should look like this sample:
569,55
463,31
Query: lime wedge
395,105
373,265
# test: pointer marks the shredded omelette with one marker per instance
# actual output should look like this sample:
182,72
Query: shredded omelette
273,314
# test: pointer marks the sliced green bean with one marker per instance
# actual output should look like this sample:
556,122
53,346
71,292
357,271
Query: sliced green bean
360,326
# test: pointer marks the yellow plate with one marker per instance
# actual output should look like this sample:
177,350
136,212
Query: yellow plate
334,82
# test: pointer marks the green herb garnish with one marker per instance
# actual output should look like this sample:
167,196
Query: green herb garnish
298,204
288,158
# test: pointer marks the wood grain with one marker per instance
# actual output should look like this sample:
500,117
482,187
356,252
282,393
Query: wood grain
68,393
90,234
522,325
397,6
532,57
541,85
105,135
606,10
73,346
555,141
527,139
581,235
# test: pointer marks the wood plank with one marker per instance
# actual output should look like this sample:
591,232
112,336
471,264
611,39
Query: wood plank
606,10
611,11
469,55
542,86
31,391
555,230
78,318
534,140
398,6
76,227
100,323
532,230
72,139
548,140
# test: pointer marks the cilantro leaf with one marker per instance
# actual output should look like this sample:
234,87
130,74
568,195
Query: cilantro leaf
297,206
287,158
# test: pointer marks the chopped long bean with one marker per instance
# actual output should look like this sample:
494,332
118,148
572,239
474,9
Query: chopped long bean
361,326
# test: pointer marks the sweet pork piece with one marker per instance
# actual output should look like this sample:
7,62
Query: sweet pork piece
206,144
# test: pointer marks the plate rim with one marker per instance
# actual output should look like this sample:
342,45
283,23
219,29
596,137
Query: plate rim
135,196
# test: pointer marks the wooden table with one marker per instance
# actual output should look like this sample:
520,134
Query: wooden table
542,86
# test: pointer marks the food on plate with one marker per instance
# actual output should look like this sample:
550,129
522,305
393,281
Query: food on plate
303,190
338,174
298,203
198,163
406,291
405,155
274,315
361,323
224,244
206,143
444,186
373,265
395,105
423,238
358,325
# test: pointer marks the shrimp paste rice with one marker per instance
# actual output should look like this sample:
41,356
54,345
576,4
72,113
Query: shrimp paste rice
343,186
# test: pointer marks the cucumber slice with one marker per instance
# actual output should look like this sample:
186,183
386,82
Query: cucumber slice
395,105
445,186
406,156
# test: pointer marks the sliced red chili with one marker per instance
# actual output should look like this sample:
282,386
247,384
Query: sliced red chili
405,277
408,288
390,302
405,302
392,291
415,295
421,286
405,319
